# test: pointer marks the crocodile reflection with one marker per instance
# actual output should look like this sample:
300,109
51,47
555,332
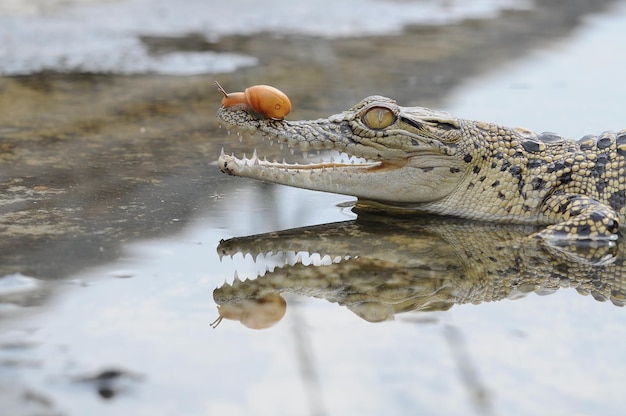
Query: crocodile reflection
378,267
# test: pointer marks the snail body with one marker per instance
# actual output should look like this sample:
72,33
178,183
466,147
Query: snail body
263,99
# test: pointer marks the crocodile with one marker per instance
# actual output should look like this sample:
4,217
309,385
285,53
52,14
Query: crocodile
427,161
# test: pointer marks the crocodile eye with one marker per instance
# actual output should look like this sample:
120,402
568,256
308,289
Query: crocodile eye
378,118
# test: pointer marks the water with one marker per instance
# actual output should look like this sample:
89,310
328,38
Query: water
113,35
584,68
119,262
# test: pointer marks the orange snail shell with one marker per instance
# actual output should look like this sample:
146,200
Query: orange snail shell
263,99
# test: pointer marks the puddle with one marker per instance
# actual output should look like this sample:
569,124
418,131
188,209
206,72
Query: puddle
535,85
147,318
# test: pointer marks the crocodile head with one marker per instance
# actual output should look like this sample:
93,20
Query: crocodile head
398,155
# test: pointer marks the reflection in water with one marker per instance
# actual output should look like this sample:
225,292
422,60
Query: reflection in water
255,313
378,267
110,383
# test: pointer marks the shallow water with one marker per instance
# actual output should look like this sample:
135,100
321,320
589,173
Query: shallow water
114,263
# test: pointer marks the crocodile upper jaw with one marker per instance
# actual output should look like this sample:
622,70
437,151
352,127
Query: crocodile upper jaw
371,172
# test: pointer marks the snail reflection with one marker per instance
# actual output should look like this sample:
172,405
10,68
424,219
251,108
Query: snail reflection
379,267
255,313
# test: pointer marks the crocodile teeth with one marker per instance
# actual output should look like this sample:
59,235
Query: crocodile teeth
330,160
264,263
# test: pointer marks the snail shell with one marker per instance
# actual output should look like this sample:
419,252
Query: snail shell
264,99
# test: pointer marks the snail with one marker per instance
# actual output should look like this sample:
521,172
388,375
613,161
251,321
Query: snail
264,99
